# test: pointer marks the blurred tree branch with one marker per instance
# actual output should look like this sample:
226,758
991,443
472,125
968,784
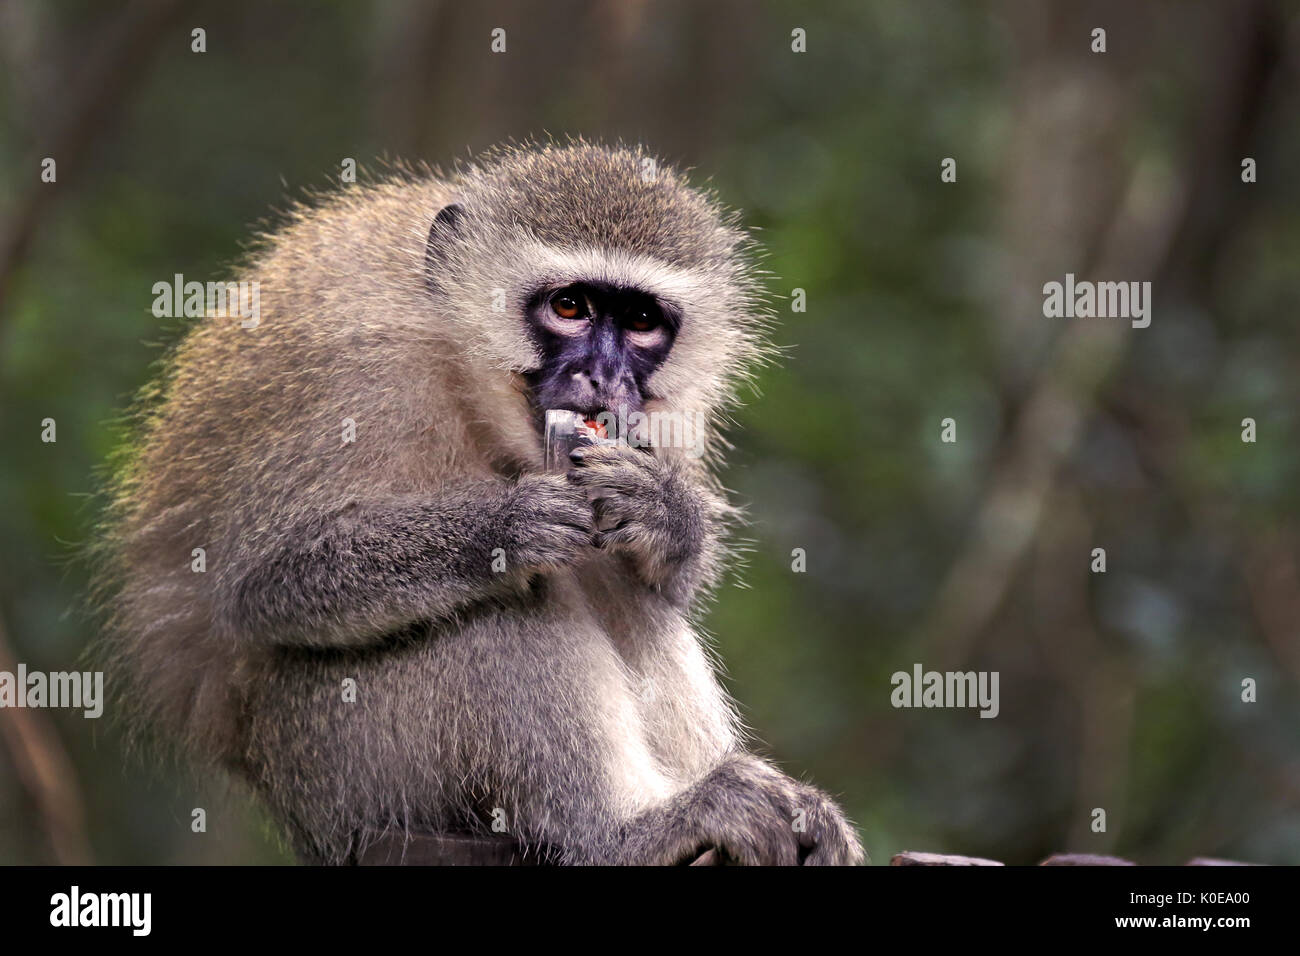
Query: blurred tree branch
1273,583
46,772
88,112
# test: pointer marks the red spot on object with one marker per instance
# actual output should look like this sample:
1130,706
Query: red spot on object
595,426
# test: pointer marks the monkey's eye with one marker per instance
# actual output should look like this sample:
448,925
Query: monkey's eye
645,326
567,312
566,306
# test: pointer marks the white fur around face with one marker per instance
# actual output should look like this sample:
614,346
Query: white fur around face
562,267
713,341
713,349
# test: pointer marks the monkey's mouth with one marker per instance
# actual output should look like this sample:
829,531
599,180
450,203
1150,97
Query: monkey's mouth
618,422
601,421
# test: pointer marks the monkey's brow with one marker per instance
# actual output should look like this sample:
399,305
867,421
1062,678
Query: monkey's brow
601,286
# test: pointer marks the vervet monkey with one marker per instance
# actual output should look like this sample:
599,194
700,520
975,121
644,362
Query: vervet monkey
401,620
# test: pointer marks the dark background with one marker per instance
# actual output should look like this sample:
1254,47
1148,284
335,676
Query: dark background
1118,690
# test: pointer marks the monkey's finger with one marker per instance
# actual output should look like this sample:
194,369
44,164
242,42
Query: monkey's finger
583,520
575,515
612,479
609,454
616,535
619,509
630,534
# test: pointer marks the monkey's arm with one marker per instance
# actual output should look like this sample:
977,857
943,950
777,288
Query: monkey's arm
664,518
348,578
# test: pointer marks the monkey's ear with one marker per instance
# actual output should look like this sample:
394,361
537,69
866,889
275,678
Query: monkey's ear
443,234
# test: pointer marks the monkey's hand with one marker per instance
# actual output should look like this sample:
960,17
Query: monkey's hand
549,525
753,815
811,823
655,513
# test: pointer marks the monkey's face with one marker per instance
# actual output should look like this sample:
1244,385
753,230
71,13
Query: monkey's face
603,283
599,345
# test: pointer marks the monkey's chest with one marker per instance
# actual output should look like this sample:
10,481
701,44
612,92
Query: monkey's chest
607,594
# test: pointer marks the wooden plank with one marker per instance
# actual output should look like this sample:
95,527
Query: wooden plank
1085,859
1214,861
452,849
709,858
916,858
445,849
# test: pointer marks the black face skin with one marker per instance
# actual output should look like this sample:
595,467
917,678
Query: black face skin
600,344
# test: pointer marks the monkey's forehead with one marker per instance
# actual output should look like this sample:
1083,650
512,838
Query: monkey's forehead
582,196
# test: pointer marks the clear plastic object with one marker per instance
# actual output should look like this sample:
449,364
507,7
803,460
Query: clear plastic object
565,431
